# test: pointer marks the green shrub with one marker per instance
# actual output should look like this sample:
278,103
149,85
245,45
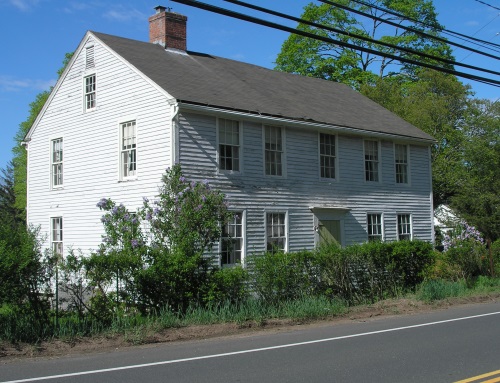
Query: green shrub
227,286
283,276
470,257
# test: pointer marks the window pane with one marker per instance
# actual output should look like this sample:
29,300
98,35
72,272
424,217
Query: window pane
128,149
232,241
273,151
276,232
401,163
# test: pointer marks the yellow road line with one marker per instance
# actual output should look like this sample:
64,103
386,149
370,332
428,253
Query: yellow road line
475,378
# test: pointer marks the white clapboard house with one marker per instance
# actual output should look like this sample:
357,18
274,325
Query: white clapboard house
302,160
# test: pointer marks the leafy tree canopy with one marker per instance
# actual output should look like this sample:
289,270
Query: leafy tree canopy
329,61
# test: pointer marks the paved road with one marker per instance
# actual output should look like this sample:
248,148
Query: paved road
442,346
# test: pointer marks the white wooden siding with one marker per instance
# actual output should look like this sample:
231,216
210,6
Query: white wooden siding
91,148
301,188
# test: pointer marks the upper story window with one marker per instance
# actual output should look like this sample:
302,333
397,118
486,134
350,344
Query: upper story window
128,147
401,163
372,161
273,138
374,227
404,227
232,241
229,145
327,155
56,162
57,235
89,84
276,232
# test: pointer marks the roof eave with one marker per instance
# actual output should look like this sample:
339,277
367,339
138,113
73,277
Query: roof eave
289,121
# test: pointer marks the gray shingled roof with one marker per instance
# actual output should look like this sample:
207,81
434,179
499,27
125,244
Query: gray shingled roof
218,82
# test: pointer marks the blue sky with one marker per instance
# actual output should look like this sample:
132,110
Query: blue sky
36,34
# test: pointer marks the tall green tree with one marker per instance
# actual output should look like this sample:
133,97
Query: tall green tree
9,214
20,158
438,104
310,57
478,196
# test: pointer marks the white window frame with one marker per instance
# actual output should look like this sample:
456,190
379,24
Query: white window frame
132,151
239,146
226,236
334,156
286,236
379,233
377,161
405,164
56,164
281,153
56,235
408,230
89,95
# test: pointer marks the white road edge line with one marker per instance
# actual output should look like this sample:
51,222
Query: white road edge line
245,351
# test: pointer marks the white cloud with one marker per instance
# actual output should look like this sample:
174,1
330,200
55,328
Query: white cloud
24,5
472,23
11,84
125,14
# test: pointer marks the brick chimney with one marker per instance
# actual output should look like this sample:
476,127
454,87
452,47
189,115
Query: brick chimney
168,29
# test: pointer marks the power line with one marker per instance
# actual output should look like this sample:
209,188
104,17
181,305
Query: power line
360,37
241,16
440,28
416,31
488,5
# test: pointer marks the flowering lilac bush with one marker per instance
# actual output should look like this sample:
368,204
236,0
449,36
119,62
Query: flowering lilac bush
187,216
462,233
167,264
465,251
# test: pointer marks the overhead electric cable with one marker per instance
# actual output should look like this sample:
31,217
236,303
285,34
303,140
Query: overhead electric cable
416,31
360,37
385,10
488,5
241,16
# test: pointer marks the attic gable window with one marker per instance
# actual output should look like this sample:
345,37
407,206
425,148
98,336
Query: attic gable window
327,155
89,58
372,161
128,146
273,136
56,160
90,85
229,145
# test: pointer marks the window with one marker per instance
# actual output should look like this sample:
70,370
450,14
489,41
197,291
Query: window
273,150
232,241
89,58
128,143
374,227
57,162
89,92
371,161
404,227
229,145
401,162
276,232
57,235
327,155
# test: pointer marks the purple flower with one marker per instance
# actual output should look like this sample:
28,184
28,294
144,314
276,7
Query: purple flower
145,199
203,198
134,243
193,184
102,203
205,182
182,179
149,216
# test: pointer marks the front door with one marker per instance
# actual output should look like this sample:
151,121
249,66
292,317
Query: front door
329,232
